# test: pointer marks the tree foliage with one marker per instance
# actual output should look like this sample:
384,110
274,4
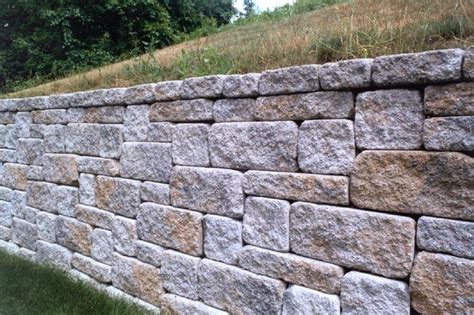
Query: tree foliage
49,38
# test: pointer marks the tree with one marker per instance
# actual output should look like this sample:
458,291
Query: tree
249,7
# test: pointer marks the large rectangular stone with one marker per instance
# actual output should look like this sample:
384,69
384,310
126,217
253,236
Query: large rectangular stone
208,190
254,145
30,151
207,86
301,300
50,116
297,186
98,166
325,105
94,139
146,161
446,236
432,183
15,176
60,168
104,115
289,80
73,234
238,109
136,122
102,246
120,196
222,238
450,100
346,74
89,266
220,284
326,146
155,192
339,235
184,110
137,278
291,268
449,133
95,217
191,145
442,284
24,234
418,68
52,198
171,227
124,232
53,254
46,224
241,85
389,119
180,274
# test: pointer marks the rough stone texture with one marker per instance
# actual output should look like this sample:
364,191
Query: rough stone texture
98,166
325,105
449,133
346,74
303,187
425,67
15,176
256,145
5,233
191,145
102,246
5,213
137,278
187,110
171,227
215,191
180,274
161,132
46,224
35,173
116,293
60,168
121,196
220,284
104,115
5,193
241,85
94,217
222,238
438,184
18,204
300,300
362,293
54,138
174,304
52,198
326,146
94,139
165,91
54,254
87,186
339,235
450,100
50,116
291,268
95,269
442,283
209,86
30,151
289,80
155,192
446,236
135,125
389,119
239,109
149,253
267,223
124,231
146,161
468,65
7,155
73,234
24,233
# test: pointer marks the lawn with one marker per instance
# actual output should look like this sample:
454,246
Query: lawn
26,288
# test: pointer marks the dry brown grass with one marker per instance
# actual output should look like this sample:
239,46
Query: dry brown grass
362,28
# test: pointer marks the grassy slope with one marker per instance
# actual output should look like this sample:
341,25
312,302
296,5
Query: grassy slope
26,288
361,28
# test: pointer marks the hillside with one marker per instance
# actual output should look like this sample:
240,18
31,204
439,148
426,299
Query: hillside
361,28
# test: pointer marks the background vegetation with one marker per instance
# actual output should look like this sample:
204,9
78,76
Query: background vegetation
310,31
27,288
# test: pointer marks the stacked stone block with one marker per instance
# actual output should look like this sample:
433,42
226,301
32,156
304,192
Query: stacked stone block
346,187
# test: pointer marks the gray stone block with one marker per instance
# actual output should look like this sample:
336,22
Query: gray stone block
191,145
449,133
222,238
289,80
346,74
300,300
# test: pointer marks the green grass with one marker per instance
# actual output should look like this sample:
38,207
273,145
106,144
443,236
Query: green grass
27,288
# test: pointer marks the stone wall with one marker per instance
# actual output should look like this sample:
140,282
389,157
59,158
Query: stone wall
305,190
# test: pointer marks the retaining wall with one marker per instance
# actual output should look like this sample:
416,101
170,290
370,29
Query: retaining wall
305,190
